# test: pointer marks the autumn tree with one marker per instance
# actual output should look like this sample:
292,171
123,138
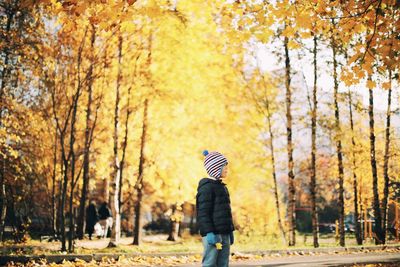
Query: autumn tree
89,130
263,92
20,46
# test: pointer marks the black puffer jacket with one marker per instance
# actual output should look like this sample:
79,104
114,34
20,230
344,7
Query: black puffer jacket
213,207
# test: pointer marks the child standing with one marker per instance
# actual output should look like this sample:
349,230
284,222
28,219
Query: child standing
214,215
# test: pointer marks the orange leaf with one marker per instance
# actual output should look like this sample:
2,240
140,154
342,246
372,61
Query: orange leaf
371,84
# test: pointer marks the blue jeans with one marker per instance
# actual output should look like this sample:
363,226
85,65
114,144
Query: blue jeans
216,258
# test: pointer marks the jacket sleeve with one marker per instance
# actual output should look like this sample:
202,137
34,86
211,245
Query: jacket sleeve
205,205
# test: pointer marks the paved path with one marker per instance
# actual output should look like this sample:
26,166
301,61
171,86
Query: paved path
327,260
322,260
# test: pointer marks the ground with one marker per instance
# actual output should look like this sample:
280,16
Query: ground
156,251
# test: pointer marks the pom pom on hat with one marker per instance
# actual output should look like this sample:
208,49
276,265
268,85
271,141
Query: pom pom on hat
205,153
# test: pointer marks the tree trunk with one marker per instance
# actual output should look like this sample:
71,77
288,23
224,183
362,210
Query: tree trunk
292,189
72,170
192,225
53,195
355,182
65,169
386,161
314,214
124,146
86,157
3,206
116,227
3,202
377,210
105,85
338,143
139,183
72,140
174,227
362,232
63,200
272,149
58,211
15,222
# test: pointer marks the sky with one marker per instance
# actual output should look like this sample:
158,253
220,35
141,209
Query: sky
304,77
269,62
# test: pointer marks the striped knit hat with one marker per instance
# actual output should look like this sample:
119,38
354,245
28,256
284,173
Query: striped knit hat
214,162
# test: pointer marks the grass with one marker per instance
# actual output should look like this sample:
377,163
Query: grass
158,244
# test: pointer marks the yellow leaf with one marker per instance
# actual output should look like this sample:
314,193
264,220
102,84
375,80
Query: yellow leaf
306,34
128,26
386,85
293,44
371,84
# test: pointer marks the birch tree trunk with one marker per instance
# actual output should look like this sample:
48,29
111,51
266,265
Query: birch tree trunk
273,161
355,180
386,161
376,205
114,192
313,179
291,177
338,140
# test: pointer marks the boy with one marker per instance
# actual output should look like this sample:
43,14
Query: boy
214,215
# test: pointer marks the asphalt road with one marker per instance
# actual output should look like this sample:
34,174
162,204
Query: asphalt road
319,260
326,260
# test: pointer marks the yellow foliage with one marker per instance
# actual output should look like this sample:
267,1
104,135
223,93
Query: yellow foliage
187,61
371,84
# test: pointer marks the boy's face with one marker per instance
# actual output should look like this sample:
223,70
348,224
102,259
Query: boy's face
224,171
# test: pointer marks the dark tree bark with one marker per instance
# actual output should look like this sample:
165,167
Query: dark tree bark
174,225
63,194
58,210
65,168
355,180
291,177
338,140
192,225
313,179
53,195
386,161
377,210
72,140
139,183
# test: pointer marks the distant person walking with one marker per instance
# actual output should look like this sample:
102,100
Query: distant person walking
214,215
105,218
91,218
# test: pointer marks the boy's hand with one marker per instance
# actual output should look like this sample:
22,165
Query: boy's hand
212,238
